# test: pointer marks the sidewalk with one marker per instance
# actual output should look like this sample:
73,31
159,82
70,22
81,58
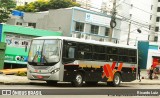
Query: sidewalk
145,81
22,80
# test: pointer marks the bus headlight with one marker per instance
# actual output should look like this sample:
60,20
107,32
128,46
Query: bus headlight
55,70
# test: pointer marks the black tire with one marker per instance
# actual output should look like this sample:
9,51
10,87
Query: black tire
77,80
116,80
50,82
91,83
110,83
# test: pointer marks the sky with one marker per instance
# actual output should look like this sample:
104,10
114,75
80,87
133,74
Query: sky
96,3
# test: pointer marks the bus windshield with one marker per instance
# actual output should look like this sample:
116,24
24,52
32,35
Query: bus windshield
44,51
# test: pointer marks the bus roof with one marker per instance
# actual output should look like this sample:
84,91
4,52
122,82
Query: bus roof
86,41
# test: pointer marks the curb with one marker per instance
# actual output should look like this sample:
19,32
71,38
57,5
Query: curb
12,83
32,83
140,83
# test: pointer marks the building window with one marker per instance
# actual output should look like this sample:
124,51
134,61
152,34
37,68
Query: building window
79,26
32,25
158,9
150,17
149,27
155,38
156,29
18,23
25,3
94,29
157,19
107,31
151,7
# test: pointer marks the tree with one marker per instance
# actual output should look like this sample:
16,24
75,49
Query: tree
6,7
41,5
45,5
56,4
37,6
27,8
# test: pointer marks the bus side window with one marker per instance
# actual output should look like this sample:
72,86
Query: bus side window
71,52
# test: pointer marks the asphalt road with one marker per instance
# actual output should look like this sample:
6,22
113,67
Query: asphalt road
34,85
67,89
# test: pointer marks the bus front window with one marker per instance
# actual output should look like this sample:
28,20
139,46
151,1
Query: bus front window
51,50
44,51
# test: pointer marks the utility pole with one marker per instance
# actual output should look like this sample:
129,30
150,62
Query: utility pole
129,31
112,22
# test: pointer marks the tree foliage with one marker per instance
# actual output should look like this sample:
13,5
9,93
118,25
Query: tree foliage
40,5
56,4
45,5
6,7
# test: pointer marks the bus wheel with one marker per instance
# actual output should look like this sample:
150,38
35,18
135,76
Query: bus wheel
78,80
91,82
50,82
116,80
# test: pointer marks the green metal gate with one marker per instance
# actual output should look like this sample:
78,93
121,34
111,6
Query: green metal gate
2,54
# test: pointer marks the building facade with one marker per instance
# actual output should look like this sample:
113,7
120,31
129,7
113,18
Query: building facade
136,15
73,22
18,40
149,54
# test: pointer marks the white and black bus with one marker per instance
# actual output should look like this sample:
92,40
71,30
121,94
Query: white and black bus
55,59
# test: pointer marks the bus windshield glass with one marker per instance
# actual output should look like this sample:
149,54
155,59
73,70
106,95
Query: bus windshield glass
44,51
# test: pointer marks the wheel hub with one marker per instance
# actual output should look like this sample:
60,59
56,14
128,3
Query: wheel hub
116,80
79,79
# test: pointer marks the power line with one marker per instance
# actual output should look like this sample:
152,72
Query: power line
119,15
140,9
132,21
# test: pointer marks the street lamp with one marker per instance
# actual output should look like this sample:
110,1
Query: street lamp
138,30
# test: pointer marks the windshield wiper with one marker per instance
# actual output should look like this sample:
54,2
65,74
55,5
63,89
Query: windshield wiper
42,54
36,54
44,58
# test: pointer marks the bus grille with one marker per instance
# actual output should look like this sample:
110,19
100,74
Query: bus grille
40,67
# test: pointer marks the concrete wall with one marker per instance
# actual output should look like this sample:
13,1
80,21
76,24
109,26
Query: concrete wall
33,17
57,20
11,21
102,30
87,28
79,15
42,23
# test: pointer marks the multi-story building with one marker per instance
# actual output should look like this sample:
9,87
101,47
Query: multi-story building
23,2
84,3
155,19
135,15
75,22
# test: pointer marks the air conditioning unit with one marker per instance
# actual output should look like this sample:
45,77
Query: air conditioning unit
101,39
89,37
116,41
83,36
74,35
